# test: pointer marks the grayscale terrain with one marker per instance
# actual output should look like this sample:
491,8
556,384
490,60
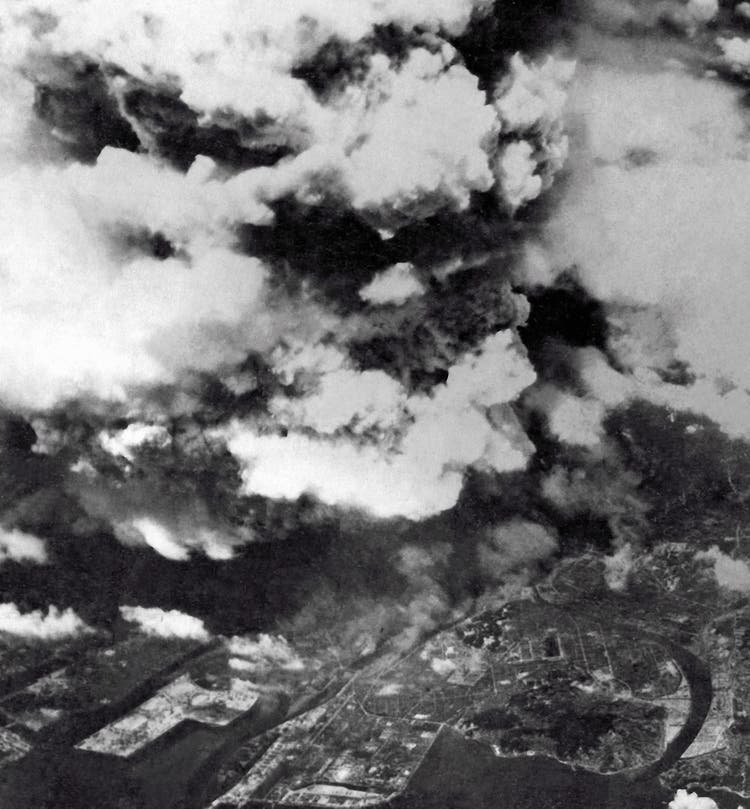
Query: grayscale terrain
374,404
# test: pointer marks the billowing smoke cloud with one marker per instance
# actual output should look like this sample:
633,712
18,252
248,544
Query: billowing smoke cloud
263,654
416,472
618,16
428,605
173,541
734,574
401,142
271,290
531,104
21,547
651,221
645,239
123,442
395,286
165,623
573,420
155,535
141,321
165,227
735,55
52,625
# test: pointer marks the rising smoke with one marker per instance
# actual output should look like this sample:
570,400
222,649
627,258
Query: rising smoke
53,625
165,623
390,284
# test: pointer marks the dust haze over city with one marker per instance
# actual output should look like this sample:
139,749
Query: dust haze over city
374,404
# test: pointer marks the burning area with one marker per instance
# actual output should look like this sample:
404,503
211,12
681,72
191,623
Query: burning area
315,316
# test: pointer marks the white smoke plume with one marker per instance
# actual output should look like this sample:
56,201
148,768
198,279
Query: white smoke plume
139,320
202,52
617,567
123,442
428,145
393,286
530,103
166,623
19,546
428,605
263,654
158,512
735,54
154,534
421,472
52,625
733,574
517,169
152,254
343,396
145,281
618,16
723,404
405,142
572,419
652,221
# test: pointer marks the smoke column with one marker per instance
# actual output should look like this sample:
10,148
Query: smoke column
411,287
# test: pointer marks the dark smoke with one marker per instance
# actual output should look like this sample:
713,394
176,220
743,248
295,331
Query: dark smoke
131,481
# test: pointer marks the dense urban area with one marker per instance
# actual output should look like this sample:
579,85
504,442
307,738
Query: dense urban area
643,678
